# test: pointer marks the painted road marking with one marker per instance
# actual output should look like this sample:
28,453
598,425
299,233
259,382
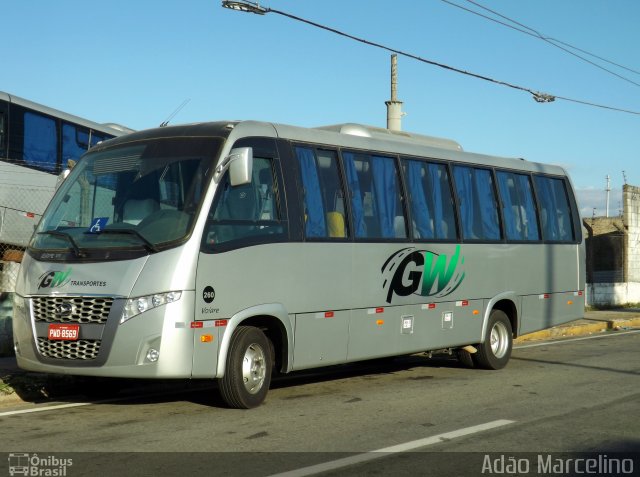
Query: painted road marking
407,446
45,408
561,341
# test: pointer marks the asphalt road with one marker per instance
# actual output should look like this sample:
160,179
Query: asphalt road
580,395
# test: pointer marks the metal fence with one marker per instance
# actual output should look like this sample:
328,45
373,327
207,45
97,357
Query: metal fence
606,258
20,210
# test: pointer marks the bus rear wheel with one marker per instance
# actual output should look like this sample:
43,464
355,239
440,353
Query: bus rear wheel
248,372
495,350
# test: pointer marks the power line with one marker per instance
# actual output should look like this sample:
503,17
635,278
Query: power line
540,97
555,39
552,41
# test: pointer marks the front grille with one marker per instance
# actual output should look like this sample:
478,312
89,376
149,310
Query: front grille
80,349
79,309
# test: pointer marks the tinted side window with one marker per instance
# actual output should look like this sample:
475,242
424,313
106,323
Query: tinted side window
478,204
322,193
72,145
3,132
40,142
518,207
247,211
376,200
555,212
432,206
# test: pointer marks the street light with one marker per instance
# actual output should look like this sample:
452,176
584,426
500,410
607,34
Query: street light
245,6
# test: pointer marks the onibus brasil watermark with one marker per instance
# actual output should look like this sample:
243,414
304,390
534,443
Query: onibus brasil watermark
548,464
21,463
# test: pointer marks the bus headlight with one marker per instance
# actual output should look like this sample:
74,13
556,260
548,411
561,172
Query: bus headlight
135,306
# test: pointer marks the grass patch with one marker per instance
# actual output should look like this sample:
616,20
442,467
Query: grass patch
35,387
625,306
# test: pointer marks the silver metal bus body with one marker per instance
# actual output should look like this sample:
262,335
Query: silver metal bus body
273,245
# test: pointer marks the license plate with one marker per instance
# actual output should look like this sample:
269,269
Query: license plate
64,332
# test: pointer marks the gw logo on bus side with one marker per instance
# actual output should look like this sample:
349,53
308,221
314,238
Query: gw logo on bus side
422,272
54,279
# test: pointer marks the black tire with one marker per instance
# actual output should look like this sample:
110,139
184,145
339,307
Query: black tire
248,372
495,350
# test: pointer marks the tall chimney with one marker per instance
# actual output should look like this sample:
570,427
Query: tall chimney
394,107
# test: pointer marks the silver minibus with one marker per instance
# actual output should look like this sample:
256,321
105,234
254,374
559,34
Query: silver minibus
231,250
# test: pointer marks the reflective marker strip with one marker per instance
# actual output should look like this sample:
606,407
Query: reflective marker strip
544,297
374,311
221,322
462,303
325,314
197,324
430,306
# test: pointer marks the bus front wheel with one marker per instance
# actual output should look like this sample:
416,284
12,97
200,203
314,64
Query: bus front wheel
248,373
495,350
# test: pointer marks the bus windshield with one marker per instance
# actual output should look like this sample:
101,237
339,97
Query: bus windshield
141,195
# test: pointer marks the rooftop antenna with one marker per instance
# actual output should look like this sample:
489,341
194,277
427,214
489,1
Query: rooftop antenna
394,107
608,190
624,176
172,115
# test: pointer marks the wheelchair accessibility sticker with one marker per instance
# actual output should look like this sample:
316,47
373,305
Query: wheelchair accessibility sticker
97,225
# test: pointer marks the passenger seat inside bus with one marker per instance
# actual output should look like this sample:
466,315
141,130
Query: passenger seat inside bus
335,225
135,210
142,201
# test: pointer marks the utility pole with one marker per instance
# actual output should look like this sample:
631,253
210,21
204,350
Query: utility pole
608,190
394,107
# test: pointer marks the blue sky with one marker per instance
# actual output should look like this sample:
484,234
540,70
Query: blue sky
134,62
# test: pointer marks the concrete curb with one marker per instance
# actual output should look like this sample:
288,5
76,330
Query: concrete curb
581,328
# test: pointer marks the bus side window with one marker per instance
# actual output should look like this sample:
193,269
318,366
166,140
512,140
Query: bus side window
248,211
555,212
430,200
376,199
75,142
323,200
3,133
478,205
40,142
518,207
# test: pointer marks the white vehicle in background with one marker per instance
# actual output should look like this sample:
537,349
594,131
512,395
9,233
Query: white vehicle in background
36,143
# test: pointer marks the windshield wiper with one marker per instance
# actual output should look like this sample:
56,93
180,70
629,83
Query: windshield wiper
68,237
148,245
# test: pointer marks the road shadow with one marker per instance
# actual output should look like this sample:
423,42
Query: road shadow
38,388
576,365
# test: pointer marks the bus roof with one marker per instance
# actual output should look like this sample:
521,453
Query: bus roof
350,135
110,128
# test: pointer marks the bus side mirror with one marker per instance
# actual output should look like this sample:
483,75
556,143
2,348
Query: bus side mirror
240,165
